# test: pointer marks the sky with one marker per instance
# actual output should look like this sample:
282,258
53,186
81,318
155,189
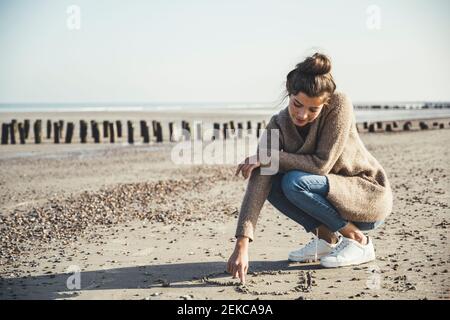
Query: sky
219,51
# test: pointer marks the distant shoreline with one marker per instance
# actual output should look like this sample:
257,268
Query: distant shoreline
256,107
362,115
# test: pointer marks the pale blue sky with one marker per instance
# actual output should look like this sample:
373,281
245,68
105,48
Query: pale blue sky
219,51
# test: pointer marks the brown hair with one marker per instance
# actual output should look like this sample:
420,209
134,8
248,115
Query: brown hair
312,77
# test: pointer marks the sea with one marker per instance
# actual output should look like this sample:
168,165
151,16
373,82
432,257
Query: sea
374,111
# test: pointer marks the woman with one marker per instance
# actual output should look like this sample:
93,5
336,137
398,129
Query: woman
326,181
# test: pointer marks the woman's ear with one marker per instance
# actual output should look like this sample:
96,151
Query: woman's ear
326,100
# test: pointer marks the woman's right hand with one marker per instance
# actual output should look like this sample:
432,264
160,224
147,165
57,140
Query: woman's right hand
238,262
247,166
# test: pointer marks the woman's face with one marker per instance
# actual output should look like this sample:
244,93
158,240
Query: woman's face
304,109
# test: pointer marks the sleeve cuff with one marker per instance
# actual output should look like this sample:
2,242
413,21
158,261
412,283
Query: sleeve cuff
246,229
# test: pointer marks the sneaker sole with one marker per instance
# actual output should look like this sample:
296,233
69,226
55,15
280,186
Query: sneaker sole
337,264
308,259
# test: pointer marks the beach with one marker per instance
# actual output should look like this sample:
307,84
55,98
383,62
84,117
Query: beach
119,221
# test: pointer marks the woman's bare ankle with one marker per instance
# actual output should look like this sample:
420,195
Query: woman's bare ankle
326,235
352,232
357,236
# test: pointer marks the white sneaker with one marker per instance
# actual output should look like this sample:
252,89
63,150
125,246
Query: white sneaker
313,251
349,252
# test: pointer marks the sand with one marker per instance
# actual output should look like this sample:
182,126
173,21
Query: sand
175,227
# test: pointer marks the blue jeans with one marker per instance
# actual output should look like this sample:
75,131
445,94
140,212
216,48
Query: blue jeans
302,197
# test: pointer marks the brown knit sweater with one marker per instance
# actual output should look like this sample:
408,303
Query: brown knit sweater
359,188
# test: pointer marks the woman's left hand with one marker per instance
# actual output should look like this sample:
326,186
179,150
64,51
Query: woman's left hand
247,166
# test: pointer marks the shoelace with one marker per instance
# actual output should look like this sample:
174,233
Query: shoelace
317,243
341,246
309,244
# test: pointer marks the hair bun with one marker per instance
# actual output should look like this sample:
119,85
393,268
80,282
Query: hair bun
315,65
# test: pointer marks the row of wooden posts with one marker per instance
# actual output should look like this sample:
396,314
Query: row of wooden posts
113,129
394,126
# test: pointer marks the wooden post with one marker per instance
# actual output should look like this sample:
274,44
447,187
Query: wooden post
423,125
225,131
407,126
5,133
83,131
186,130
249,127
37,128
92,129
239,130
27,128
216,131
145,132
183,127
69,132
61,128
388,127
12,131
21,133
119,128
105,128
130,132
142,127
56,132
171,138
154,127
159,136
258,129
111,132
95,131
49,129
232,128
